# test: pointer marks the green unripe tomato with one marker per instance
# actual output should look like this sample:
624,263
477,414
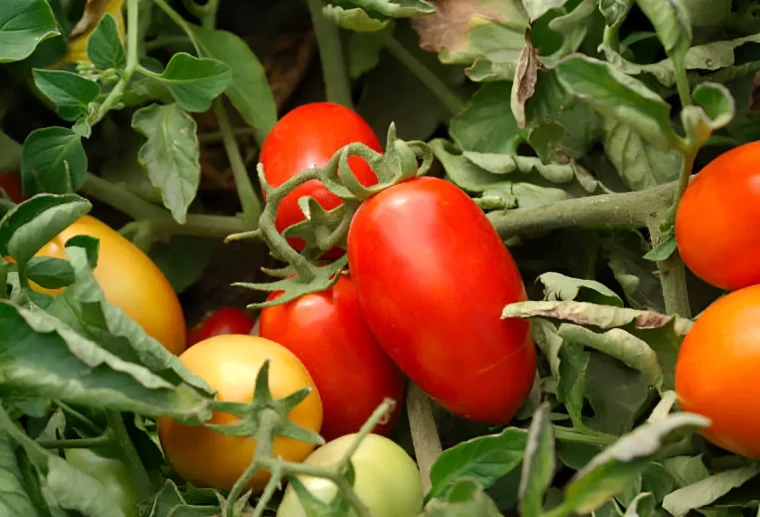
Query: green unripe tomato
111,474
387,479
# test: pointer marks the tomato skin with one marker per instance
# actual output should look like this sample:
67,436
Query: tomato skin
328,333
223,321
130,280
113,476
10,182
716,224
309,136
433,277
229,364
716,371
387,479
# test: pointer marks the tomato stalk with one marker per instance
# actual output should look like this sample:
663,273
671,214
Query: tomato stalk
337,86
569,434
437,87
73,414
427,443
128,453
77,443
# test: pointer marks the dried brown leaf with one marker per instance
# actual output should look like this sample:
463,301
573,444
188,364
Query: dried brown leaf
524,84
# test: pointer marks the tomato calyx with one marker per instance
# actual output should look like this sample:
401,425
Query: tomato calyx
324,229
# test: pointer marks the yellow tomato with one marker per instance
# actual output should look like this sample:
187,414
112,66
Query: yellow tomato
130,280
230,364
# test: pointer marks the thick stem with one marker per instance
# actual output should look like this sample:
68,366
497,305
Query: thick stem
427,443
337,87
248,198
128,454
116,94
682,82
687,166
437,87
606,210
269,490
269,420
77,443
200,225
672,276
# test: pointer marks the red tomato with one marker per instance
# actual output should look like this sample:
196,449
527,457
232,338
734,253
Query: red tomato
716,371
433,276
328,333
306,137
10,182
227,320
717,226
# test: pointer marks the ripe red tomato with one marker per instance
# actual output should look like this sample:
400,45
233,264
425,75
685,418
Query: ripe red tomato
308,136
10,182
223,321
716,371
328,333
433,277
716,225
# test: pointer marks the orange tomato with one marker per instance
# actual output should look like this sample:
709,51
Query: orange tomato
229,364
717,226
716,372
130,280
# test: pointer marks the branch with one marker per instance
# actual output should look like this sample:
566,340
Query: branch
337,87
427,444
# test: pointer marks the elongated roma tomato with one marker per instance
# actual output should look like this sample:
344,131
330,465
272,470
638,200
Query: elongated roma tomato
433,277
225,320
328,333
306,137
716,371
717,227
130,280
230,364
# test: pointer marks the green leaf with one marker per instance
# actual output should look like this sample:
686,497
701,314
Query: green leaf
537,8
72,93
183,259
15,498
194,82
560,287
249,88
485,458
397,8
53,161
538,465
30,225
104,47
487,125
362,54
672,24
715,109
639,163
609,472
615,11
23,25
171,154
50,272
619,96
686,470
663,250
641,506
466,499
707,490
354,19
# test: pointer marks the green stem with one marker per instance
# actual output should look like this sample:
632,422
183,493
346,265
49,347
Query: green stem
176,18
269,490
77,443
248,198
427,443
218,136
687,166
672,275
199,225
682,82
164,41
568,434
268,421
132,62
128,454
209,14
559,511
76,415
337,87
606,210
437,87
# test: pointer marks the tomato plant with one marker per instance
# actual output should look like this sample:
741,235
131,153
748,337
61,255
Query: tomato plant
328,333
130,280
111,474
715,367
229,364
438,250
386,478
223,321
717,219
306,137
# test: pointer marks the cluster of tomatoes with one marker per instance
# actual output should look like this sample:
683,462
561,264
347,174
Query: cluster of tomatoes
718,236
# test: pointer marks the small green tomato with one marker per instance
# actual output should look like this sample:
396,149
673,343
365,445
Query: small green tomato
387,479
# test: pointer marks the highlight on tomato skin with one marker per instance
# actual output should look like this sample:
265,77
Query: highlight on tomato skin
328,333
716,371
716,225
225,320
230,364
434,296
306,137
